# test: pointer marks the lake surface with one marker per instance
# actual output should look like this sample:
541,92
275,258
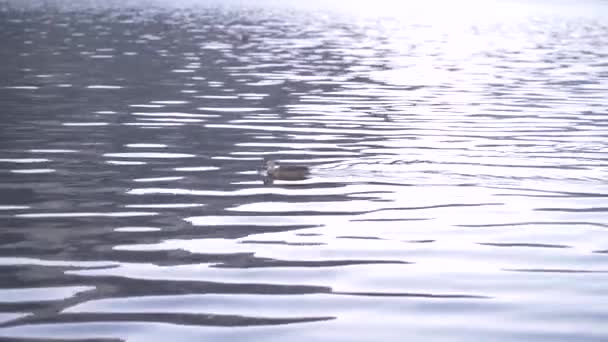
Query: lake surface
459,159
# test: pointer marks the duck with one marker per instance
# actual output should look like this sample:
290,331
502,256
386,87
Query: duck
273,171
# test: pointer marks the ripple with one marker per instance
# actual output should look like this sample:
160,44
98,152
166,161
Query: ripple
9,261
154,124
7,317
101,86
233,109
317,207
84,124
175,114
162,120
149,155
147,145
87,214
169,102
217,97
352,189
196,168
24,160
537,245
166,205
52,151
311,130
157,179
566,271
13,207
33,171
244,305
147,105
41,294
259,220
22,87
124,162
137,229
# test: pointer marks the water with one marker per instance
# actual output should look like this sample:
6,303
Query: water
459,157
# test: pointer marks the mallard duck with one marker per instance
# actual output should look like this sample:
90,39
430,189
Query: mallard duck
273,171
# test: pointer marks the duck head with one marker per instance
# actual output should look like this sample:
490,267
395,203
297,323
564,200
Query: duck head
270,165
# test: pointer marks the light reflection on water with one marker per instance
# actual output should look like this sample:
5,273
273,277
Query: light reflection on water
458,171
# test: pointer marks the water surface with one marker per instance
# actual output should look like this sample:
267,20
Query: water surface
459,171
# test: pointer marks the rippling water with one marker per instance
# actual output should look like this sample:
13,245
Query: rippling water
459,160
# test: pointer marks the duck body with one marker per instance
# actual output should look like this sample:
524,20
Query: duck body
288,173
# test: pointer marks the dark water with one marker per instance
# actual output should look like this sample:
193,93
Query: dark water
459,158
